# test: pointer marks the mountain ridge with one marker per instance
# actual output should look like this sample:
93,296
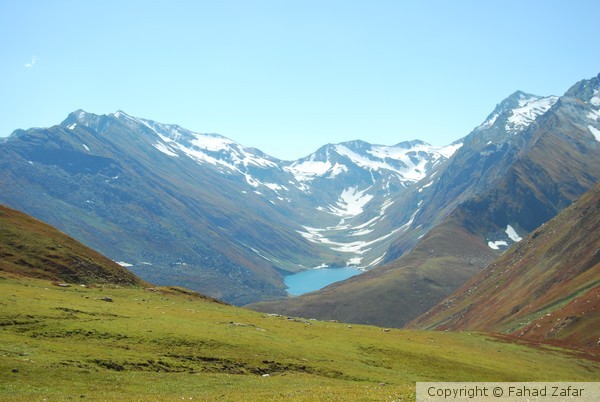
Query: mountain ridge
500,185
204,212
173,204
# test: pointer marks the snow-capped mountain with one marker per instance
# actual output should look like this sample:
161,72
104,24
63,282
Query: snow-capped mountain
404,163
518,111
336,186
351,187
526,162
203,211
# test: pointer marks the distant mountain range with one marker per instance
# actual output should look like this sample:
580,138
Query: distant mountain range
201,211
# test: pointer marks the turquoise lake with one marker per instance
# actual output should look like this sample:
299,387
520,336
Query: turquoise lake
315,279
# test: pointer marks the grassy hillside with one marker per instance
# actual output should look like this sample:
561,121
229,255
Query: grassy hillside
32,248
547,287
129,343
115,340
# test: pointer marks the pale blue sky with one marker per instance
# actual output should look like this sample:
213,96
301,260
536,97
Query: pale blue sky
289,76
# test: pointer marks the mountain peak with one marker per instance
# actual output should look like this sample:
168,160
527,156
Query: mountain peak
587,90
119,113
78,115
515,113
516,100
81,117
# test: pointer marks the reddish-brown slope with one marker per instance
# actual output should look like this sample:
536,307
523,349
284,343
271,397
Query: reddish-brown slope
32,248
547,287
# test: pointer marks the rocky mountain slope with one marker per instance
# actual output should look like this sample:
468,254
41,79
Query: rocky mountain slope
30,248
201,211
529,159
546,287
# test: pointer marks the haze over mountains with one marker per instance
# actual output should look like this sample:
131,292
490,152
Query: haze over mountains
202,211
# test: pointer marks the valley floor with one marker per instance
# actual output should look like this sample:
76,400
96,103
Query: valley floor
110,343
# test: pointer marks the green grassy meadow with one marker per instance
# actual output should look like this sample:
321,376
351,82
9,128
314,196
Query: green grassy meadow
59,343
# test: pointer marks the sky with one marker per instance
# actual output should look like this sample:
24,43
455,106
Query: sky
288,76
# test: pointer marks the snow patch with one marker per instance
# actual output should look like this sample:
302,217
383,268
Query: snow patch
308,170
356,247
164,149
489,122
414,170
274,187
386,204
72,126
410,221
426,185
529,110
86,147
594,114
595,132
351,202
206,148
212,143
337,169
512,234
361,232
495,245
377,260
259,254
124,264
370,222
449,150
595,101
